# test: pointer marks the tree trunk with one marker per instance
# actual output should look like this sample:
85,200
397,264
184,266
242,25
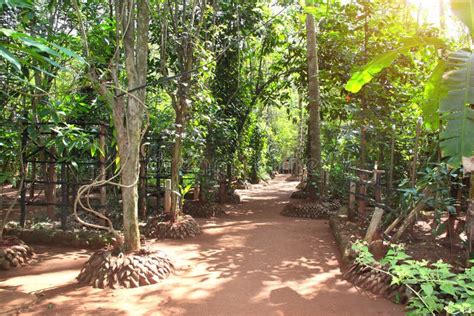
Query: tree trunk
142,189
176,159
128,109
50,189
102,175
129,157
300,149
314,165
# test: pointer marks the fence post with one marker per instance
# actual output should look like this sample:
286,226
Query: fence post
378,186
167,205
196,191
362,192
374,224
351,207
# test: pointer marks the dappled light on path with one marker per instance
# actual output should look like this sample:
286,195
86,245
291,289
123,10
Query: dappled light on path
251,262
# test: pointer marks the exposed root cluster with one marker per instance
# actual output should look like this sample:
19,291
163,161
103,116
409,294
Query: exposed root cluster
233,198
108,269
376,282
184,227
310,209
202,209
242,185
14,253
300,195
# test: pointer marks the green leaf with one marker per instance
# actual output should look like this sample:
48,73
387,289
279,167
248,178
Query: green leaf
29,41
433,93
10,58
427,289
368,72
360,78
68,52
464,10
457,139
448,287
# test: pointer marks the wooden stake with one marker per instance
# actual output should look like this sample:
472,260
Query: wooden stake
196,192
352,191
374,224
409,220
392,158
362,192
167,196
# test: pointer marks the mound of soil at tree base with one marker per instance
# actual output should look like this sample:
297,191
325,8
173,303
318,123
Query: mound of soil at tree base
311,209
301,186
110,268
184,227
299,195
420,243
293,178
14,253
200,209
377,282
90,239
242,185
231,198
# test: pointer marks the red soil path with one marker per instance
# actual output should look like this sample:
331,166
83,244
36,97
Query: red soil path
252,262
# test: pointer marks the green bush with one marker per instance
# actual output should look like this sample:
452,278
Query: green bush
435,287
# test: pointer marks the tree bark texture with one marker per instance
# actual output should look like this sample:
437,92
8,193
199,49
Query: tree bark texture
314,165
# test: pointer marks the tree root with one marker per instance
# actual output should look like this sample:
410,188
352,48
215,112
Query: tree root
114,269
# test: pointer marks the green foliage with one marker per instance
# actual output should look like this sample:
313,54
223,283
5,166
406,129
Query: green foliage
434,91
367,73
37,48
435,287
456,108
464,9
437,178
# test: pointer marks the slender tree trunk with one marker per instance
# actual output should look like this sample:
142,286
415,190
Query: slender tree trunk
300,149
176,159
181,109
128,110
415,153
129,151
142,196
102,171
314,165
50,189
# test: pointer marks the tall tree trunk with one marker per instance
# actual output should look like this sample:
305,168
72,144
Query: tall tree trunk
142,196
50,189
176,158
102,162
128,109
129,152
136,64
300,148
180,105
314,165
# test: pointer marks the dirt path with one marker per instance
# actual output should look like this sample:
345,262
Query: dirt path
251,262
